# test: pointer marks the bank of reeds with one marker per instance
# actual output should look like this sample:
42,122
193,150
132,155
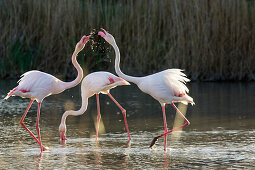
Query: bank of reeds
211,40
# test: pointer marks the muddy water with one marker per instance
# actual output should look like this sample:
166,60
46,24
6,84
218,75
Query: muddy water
221,134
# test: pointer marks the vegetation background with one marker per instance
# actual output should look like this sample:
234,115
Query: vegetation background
212,40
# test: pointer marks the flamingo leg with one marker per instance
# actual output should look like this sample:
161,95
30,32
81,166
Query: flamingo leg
165,125
37,126
182,126
123,112
24,126
98,116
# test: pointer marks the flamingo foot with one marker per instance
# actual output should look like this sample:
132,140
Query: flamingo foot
129,143
154,141
46,148
62,142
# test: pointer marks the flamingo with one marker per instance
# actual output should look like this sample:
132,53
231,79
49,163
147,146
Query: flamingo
167,87
37,85
95,83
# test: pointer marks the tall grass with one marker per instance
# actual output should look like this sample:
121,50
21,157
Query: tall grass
211,40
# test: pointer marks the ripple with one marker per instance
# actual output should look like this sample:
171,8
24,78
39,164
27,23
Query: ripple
220,139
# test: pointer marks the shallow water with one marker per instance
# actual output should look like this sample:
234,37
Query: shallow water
221,134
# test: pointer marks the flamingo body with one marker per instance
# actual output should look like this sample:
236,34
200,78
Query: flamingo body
167,86
95,83
37,85
101,82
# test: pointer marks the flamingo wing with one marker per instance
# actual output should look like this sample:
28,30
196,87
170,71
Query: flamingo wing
177,80
165,84
101,82
35,84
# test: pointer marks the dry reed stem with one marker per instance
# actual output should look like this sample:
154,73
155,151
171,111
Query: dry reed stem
211,40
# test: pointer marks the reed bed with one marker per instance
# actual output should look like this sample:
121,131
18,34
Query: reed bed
211,40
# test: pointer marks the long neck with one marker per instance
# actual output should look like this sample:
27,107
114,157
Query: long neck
78,112
67,85
117,67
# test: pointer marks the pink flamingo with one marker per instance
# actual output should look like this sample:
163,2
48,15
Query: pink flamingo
37,85
95,83
167,86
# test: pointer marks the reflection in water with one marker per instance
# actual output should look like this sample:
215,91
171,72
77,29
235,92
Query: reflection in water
178,121
221,133
38,161
101,127
166,161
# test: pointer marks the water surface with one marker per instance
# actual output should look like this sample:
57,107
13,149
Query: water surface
221,134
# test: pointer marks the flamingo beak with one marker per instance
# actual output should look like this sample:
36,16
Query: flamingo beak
124,82
85,38
104,30
91,35
62,136
102,33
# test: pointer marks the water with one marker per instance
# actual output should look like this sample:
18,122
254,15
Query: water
221,134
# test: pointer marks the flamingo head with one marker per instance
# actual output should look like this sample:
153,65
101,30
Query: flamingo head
108,37
62,131
81,44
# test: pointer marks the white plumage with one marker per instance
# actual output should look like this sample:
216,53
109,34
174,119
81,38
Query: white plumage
101,82
167,86
37,85
95,83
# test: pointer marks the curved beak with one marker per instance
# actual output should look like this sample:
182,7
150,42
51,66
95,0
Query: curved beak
102,33
62,136
123,82
85,38
91,36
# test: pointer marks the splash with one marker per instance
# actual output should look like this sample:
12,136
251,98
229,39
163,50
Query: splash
98,51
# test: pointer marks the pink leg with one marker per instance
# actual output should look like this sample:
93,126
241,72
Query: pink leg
37,126
165,125
182,126
123,112
22,123
98,115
